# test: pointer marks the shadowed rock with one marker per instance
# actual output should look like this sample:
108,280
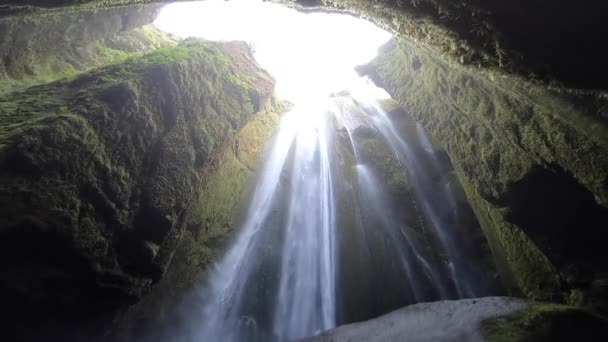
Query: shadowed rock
100,173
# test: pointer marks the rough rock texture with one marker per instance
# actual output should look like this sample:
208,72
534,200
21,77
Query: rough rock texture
36,49
369,280
546,40
458,320
99,175
206,234
547,322
369,277
19,7
532,159
481,319
534,164
439,166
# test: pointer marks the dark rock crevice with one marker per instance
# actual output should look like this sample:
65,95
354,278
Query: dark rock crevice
563,219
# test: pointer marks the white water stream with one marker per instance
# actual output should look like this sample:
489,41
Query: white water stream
281,278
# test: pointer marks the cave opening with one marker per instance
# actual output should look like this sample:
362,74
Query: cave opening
311,55
565,221
355,212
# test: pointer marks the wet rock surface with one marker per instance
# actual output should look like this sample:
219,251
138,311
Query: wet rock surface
533,164
107,176
100,173
40,48
458,320
161,313
549,41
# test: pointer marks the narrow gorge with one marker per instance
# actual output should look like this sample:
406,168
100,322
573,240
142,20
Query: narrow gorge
310,170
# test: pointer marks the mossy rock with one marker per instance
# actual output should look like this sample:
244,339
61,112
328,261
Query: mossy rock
547,322
38,49
493,36
209,228
101,172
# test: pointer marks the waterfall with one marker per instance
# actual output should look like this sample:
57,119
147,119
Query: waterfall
278,278
282,278
335,231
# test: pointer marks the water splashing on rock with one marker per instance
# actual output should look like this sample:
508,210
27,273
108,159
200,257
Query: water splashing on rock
323,229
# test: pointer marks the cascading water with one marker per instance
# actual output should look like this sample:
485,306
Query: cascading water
434,202
278,277
279,280
324,241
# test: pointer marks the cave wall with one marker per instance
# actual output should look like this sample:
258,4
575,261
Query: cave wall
208,231
548,41
370,278
40,48
101,175
530,150
533,163
10,8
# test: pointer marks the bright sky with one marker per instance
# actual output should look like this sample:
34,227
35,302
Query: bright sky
309,55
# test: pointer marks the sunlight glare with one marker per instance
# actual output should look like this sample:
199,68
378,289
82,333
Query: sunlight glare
310,55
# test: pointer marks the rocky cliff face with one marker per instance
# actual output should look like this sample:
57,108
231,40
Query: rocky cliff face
40,48
19,7
548,41
369,282
212,222
533,163
493,319
101,174
129,161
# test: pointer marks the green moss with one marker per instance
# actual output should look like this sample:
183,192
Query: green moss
114,162
225,189
126,46
52,7
547,322
222,195
213,218
523,266
251,140
499,132
113,56
374,151
494,37
168,54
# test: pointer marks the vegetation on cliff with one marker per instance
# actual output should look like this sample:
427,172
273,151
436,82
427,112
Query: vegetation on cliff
547,41
101,172
533,164
38,49
554,42
546,322
212,222
114,160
